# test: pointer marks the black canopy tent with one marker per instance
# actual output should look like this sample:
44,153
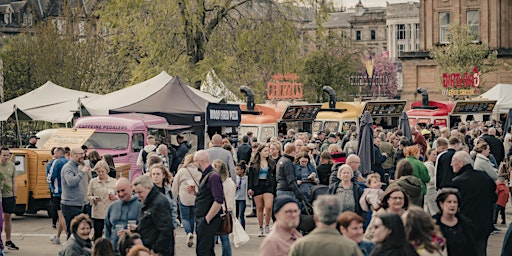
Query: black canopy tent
178,103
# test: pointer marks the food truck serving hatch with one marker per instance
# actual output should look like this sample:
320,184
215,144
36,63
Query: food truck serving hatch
301,113
385,108
473,107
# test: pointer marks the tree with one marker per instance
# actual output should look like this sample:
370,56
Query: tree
385,81
332,64
56,52
462,54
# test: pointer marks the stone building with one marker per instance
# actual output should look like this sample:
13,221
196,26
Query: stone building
491,22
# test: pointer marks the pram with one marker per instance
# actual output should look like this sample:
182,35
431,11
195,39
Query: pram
307,223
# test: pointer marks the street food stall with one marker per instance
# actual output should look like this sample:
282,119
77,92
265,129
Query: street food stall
299,117
385,113
338,119
450,114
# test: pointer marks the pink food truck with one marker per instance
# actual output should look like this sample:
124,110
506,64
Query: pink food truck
124,135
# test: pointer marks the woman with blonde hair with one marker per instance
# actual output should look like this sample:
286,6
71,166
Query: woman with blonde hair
482,161
100,194
185,184
337,154
276,150
229,189
347,190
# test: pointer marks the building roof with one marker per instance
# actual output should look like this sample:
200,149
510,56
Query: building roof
6,8
17,6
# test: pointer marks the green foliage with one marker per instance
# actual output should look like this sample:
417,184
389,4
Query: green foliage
462,54
335,59
56,53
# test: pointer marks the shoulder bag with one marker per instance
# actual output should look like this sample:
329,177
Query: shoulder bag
226,222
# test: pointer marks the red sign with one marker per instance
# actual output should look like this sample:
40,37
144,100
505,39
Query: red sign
283,87
461,84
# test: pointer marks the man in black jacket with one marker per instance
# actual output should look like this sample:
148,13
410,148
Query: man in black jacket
477,191
155,223
497,149
444,170
286,177
244,151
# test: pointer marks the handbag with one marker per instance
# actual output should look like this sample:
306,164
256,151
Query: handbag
240,237
226,222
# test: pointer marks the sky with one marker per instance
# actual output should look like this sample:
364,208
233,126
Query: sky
349,3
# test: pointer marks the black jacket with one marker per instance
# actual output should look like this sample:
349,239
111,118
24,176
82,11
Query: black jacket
357,190
477,191
324,172
497,149
286,177
254,173
379,160
244,152
444,171
155,225
468,231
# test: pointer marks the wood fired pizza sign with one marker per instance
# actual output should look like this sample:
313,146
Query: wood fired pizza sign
461,84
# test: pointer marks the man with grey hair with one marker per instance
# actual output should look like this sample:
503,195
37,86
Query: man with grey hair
325,238
477,191
73,192
497,149
154,222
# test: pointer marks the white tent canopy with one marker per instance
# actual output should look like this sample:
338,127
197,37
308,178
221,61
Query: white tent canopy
49,102
102,104
502,93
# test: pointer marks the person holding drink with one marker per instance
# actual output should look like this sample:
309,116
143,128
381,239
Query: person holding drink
100,194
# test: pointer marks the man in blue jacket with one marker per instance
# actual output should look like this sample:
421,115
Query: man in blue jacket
55,182
126,208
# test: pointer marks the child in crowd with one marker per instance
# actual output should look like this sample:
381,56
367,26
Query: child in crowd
369,200
503,195
241,191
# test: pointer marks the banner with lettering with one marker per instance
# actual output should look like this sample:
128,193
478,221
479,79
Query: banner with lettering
223,115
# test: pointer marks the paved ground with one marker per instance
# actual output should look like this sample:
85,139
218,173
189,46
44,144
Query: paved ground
31,233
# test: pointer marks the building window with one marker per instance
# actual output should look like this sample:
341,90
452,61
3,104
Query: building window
472,21
400,49
358,35
400,31
372,34
417,31
444,25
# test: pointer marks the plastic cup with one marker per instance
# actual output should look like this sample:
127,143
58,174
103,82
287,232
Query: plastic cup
119,227
132,225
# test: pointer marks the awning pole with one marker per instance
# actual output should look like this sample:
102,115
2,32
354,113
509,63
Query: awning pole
17,125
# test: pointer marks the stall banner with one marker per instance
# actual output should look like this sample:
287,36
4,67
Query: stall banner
223,115
461,84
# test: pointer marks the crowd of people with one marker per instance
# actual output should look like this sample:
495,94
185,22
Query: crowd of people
440,192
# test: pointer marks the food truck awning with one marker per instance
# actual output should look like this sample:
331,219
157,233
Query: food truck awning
385,108
306,112
473,107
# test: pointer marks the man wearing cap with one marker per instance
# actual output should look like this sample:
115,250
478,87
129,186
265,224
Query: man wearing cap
32,141
321,136
325,238
284,232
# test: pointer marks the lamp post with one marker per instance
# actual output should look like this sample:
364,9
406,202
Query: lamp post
369,72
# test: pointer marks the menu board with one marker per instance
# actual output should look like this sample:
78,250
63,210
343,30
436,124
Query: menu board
480,106
301,112
385,108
